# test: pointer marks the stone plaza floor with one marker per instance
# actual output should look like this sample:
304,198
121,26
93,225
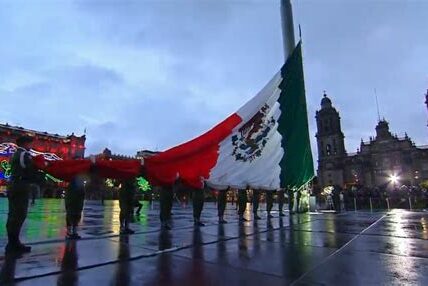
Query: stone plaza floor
351,248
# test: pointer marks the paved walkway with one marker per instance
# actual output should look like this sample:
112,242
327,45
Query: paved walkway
309,249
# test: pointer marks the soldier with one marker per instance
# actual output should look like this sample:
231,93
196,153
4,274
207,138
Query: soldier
242,203
198,197
290,200
269,203
336,198
126,203
35,188
281,198
221,204
74,199
165,200
22,177
137,203
256,198
298,196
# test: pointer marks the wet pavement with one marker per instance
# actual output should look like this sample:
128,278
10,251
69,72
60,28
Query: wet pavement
353,248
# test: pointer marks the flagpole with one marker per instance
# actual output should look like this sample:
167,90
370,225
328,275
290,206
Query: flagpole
287,28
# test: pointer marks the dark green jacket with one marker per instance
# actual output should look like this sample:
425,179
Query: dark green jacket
22,167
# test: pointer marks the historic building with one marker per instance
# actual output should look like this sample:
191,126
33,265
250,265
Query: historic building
384,161
66,147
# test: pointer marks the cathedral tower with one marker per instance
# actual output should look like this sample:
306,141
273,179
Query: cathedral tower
331,144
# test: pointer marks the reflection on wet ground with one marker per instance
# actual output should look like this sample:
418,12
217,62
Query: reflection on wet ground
354,248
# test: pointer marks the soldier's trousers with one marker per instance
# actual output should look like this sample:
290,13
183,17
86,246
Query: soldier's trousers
73,208
256,198
269,201
198,198
165,199
280,196
221,202
242,201
18,198
290,201
126,212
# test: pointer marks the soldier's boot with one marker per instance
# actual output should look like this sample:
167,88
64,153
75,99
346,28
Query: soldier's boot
75,234
221,220
197,222
69,234
127,229
14,244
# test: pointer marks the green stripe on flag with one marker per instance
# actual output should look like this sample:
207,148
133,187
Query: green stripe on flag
297,164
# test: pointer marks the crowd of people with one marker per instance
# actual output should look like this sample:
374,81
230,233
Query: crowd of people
361,197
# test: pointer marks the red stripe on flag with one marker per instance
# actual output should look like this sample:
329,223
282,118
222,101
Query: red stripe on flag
192,160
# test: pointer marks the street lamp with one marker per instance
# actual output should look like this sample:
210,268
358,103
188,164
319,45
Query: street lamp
394,179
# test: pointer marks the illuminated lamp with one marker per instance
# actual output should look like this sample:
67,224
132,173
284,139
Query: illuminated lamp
393,178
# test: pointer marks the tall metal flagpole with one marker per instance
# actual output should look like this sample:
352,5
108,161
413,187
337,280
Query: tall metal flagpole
287,28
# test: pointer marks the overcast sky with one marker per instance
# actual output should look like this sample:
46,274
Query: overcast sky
152,74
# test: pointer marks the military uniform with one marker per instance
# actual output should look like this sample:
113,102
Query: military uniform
74,200
269,202
137,203
256,198
198,198
165,199
242,204
298,196
21,180
221,204
290,200
281,198
126,203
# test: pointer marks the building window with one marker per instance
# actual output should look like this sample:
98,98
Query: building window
328,149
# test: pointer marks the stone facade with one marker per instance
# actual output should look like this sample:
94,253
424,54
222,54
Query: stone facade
384,161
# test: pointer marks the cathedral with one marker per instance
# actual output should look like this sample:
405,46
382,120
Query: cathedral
385,161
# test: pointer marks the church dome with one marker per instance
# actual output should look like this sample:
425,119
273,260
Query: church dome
325,102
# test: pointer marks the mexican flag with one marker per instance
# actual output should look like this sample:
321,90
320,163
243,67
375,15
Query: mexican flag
264,145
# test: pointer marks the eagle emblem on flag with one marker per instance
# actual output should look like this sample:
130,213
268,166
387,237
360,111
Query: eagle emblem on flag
252,136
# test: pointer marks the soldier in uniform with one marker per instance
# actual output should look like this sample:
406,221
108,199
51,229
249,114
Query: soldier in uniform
269,203
137,203
298,196
281,198
126,203
165,200
242,203
22,177
256,198
74,200
198,197
221,204
290,200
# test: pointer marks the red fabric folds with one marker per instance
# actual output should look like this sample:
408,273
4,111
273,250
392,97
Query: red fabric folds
191,161
67,169
118,169
63,169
